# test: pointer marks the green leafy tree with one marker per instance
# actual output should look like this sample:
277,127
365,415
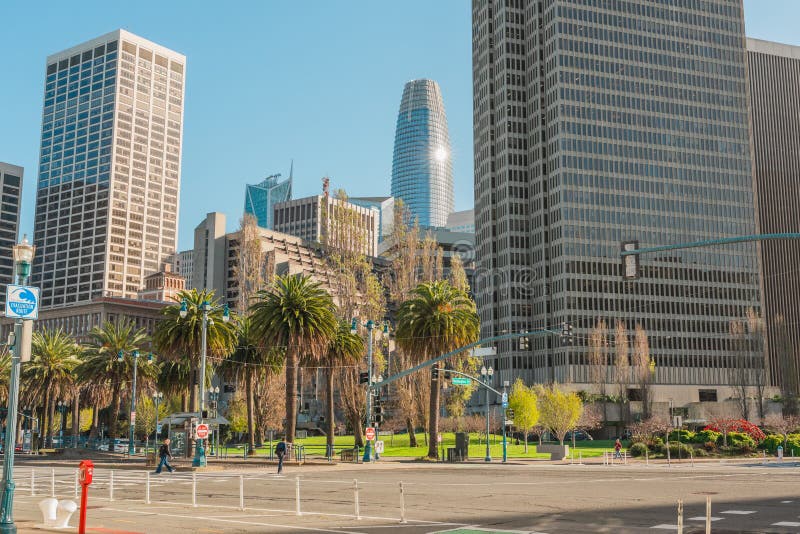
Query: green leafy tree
298,314
344,349
180,338
559,411
50,373
102,368
523,401
437,318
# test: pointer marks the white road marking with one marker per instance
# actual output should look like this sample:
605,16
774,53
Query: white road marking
703,518
786,502
738,512
786,524
664,526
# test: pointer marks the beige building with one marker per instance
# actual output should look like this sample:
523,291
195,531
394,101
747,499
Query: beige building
109,174
303,217
10,200
163,285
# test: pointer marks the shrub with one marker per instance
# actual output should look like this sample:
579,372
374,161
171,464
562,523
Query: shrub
700,453
637,449
681,435
704,436
679,450
737,440
655,444
771,443
710,446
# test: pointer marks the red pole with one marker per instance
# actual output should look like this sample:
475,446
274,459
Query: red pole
82,524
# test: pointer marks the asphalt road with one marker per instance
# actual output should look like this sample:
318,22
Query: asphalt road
466,498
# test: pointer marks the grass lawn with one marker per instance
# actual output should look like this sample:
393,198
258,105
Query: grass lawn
398,446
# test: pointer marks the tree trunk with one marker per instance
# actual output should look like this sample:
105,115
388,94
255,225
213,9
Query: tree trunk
76,419
433,419
412,435
195,397
291,393
113,413
44,426
358,436
95,423
331,423
184,403
52,417
251,424
525,435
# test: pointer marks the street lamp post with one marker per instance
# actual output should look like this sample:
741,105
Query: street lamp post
199,459
62,408
213,397
23,257
370,326
132,420
487,376
505,442
157,401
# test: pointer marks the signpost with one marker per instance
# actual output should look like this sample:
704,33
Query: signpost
461,381
201,431
379,447
369,433
22,302
505,400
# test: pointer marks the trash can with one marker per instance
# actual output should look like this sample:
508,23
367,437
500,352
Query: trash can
462,445
780,453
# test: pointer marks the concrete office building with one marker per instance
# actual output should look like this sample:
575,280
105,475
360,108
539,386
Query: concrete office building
10,201
775,93
422,166
260,199
305,218
109,171
595,125
184,264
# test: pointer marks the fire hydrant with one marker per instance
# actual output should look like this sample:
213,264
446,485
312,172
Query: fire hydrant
86,472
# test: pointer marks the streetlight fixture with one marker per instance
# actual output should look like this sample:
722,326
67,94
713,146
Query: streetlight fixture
205,307
370,326
487,377
132,420
23,253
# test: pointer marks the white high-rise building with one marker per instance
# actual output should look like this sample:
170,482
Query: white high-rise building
109,172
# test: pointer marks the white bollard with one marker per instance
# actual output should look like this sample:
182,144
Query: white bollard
355,498
402,504
147,488
52,481
680,516
764,461
691,457
297,495
625,457
708,514
48,508
33,482
580,457
64,512
646,457
241,492
571,456
111,487
194,489
77,475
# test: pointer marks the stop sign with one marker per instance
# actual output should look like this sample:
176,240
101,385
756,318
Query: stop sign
202,431
370,433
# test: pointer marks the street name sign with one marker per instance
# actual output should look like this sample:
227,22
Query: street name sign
461,381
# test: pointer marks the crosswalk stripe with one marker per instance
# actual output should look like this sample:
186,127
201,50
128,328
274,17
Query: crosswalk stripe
786,524
665,526
738,512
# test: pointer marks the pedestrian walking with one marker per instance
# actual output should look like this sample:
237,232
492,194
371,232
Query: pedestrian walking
164,455
617,449
280,451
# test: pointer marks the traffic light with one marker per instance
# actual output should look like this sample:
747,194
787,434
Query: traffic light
447,373
566,333
435,373
363,378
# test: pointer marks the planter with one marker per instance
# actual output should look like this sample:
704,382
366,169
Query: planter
556,452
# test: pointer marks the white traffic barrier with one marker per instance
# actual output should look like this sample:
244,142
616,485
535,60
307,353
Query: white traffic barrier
355,498
708,514
194,489
147,488
111,486
33,482
241,492
77,476
402,503
646,457
297,495
52,481
48,508
680,516
57,514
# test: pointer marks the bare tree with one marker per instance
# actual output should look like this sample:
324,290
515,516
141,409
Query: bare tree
622,374
739,370
598,362
783,425
758,357
644,368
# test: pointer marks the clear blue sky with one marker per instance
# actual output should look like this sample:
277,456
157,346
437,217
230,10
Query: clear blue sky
270,81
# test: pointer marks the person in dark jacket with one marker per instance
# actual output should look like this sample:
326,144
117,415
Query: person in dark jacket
165,455
280,451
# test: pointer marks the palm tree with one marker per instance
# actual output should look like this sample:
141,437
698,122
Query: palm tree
102,369
295,313
49,374
437,318
344,348
174,379
251,361
180,338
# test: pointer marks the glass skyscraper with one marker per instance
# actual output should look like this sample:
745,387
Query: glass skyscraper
602,122
109,169
422,168
260,199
